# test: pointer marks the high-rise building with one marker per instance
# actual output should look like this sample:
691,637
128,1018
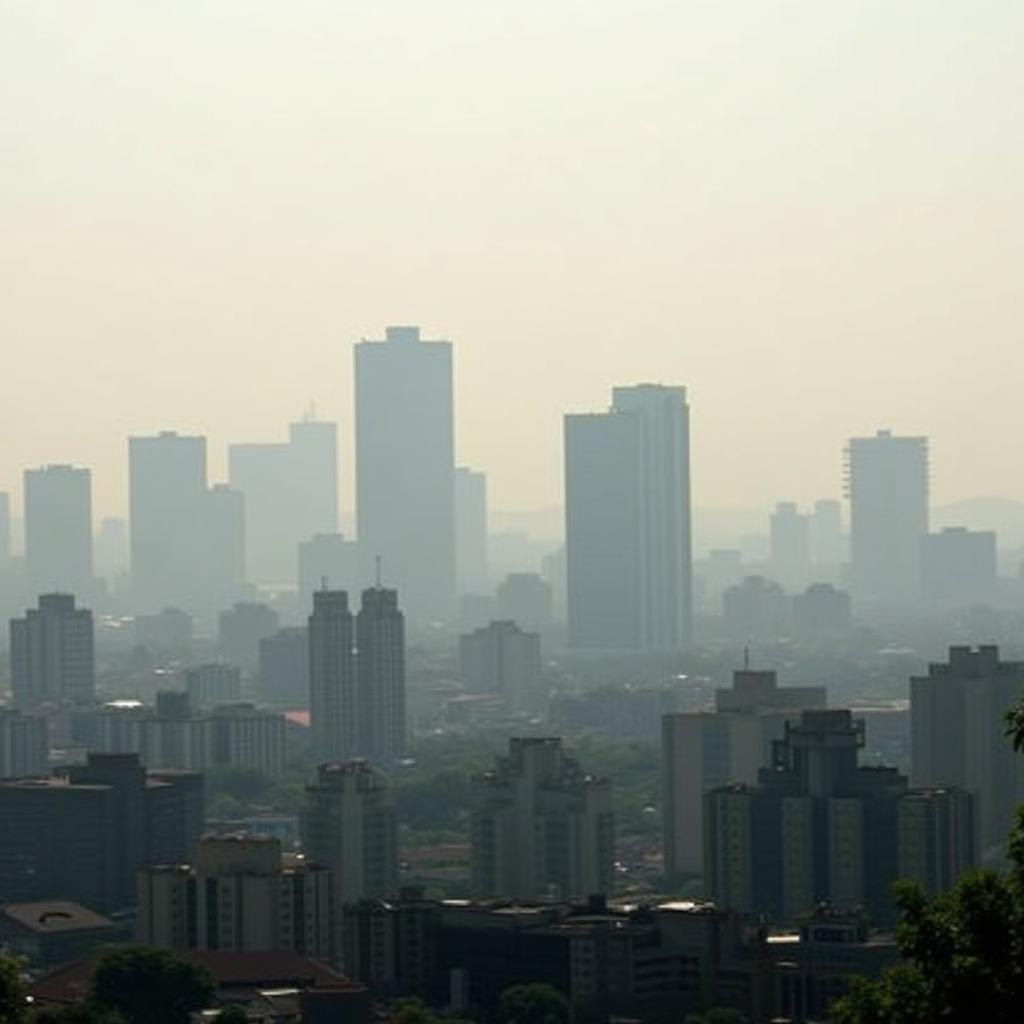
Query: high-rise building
790,546
348,824
167,518
84,835
332,679
628,543
820,829
213,683
52,653
5,527
828,543
541,826
240,630
958,567
703,750
291,494
887,479
23,744
58,531
527,599
169,631
821,609
405,468
471,531
110,548
284,668
957,723
500,658
380,676
224,536
756,609
327,561
241,893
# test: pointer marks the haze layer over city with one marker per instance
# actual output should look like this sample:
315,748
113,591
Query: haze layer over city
510,513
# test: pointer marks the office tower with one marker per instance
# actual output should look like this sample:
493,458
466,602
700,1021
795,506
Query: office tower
167,518
291,493
168,631
240,630
110,548
756,609
958,567
526,599
240,893
224,535
348,824
887,480
380,676
627,520
828,545
5,527
58,531
552,569
327,561
958,735
244,736
703,750
471,531
24,744
84,835
818,828
821,609
405,468
789,546
284,668
541,826
52,653
501,658
937,836
213,684
332,675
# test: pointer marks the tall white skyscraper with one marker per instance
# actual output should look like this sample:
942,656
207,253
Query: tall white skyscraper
627,508
405,468
888,488
58,530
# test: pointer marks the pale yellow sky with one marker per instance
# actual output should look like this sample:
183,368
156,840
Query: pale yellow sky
808,212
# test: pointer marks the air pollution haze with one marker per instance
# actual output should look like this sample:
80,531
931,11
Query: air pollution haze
809,214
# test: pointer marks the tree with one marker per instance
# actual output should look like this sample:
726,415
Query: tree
232,1015
12,991
150,986
535,1003
963,951
79,1013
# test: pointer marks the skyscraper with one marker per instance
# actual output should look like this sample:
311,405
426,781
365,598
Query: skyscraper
471,531
541,826
380,676
327,559
627,509
887,480
52,653
167,499
291,493
789,553
58,531
332,680
405,468
501,658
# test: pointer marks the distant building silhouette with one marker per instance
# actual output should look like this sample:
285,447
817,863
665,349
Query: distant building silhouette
828,542
330,558
821,608
790,545
332,675
471,531
291,494
501,658
240,630
627,508
756,608
284,668
213,683
24,744
541,826
53,653
525,598
818,828
702,750
958,735
405,468
888,489
168,631
58,531
380,676
958,567
5,527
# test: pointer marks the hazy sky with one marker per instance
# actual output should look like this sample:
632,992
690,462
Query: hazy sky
808,212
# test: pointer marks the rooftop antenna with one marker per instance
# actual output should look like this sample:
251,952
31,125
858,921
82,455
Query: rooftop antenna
746,659
376,561
323,582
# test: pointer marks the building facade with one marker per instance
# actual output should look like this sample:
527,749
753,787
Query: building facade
501,658
58,531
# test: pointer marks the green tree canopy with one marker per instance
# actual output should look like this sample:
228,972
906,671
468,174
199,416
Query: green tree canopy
535,1003
150,986
79,1013
12,992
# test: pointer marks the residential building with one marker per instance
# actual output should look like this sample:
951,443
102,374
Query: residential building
348,824
405,469
213,683
704,750
24,744
240,630
284,668
471,570
501,658
332,675
958,736
541,826
239,893
627,509
380,676
958,567
58,531
52,653
887,480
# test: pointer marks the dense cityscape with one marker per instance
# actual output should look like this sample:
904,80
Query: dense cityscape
431,761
